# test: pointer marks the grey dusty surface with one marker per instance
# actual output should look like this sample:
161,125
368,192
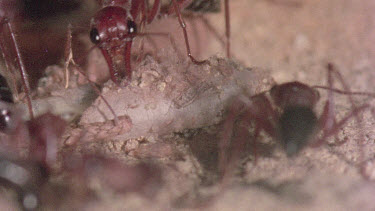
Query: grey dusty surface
173,96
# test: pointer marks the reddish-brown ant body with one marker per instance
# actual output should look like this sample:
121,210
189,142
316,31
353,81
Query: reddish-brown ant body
40,135
288,116
114,27
28,175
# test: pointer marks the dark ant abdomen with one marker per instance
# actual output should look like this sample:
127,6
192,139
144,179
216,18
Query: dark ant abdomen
296,126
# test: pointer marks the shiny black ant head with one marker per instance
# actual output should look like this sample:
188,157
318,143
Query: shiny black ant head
297,124
112,26
294,94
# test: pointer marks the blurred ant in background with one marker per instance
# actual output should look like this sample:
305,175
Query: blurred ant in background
287,113
28,175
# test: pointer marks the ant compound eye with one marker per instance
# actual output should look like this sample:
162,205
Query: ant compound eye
132,27
94,36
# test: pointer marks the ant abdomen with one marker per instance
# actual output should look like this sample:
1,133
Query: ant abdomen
296,127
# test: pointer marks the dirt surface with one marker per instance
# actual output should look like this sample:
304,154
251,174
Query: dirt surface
171,113
293,40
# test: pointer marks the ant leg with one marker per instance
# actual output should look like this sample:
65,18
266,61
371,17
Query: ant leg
68,54
226,134
141,43
93,85
257,110
235,149
185,3
227,26
181,4
328,114
151,14
211,29
340,124
71,61
148,16
183,26
170,37
328,120
144,9
24,77
9,72
331,70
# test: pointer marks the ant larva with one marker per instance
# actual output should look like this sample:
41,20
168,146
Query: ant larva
287,113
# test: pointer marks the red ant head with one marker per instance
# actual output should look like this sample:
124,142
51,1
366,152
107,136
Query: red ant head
112,30
294,94
112,27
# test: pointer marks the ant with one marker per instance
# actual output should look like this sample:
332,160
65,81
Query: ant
288,116
40,135
25,175
28,175
114,27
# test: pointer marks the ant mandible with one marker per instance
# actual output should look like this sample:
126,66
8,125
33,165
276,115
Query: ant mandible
114,27
288,116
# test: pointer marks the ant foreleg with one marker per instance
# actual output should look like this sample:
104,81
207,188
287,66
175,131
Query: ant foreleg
183,26
68,55
70,61
22,70
93,85
328,121
336,127
227,26
185,3
170,37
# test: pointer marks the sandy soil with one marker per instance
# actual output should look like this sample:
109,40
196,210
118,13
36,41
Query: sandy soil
285,40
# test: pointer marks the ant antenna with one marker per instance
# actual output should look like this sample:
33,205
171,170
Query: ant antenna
69,60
